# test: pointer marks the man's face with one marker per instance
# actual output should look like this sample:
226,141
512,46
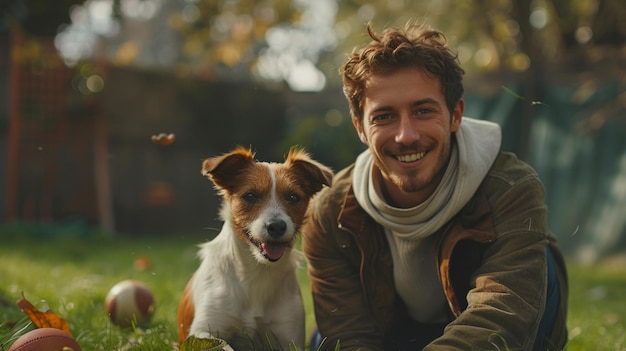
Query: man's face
408,128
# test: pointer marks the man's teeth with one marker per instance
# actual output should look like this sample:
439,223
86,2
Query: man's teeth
411,157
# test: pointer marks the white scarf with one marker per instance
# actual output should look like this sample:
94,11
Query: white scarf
478,144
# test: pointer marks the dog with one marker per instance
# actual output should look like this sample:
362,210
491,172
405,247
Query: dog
247,278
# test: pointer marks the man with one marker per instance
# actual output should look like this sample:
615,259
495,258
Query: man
433,239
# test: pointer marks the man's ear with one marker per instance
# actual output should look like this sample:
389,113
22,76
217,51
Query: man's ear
359,129
457,115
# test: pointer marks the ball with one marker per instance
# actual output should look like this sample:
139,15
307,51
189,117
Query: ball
45,339
129,303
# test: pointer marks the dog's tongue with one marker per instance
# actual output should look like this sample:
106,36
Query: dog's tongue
272,251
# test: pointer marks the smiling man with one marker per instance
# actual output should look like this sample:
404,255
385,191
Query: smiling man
434,238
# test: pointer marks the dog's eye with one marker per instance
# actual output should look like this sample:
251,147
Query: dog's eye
293,198
250,197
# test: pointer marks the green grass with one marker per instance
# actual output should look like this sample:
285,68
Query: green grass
597,314
74,275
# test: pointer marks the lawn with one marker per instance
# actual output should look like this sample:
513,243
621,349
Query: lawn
72,276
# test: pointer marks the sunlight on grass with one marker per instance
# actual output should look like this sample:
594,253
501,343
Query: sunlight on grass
597,318
72,278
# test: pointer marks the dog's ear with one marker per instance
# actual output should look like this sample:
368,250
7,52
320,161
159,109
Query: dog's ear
222,170
314,174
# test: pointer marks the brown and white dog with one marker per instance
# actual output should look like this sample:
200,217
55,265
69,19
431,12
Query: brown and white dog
247,276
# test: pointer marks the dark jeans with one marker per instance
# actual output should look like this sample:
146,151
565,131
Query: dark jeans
411,335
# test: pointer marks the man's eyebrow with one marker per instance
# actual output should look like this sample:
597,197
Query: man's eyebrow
383,108
425,101
420,102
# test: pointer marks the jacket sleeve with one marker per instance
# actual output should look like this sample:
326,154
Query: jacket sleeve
341,312
507,293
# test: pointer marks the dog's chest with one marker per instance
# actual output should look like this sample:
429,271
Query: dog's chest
266,290
264,309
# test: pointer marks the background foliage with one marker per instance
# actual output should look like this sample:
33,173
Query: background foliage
264,73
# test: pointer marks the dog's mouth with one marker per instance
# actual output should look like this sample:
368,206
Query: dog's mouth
272,251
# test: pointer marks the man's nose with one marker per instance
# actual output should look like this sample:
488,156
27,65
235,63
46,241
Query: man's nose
407,131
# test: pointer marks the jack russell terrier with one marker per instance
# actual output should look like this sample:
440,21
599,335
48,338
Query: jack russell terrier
247,277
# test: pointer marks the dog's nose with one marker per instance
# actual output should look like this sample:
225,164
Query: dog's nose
276,228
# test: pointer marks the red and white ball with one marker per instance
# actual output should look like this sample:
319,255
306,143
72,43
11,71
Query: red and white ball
130,302
45,339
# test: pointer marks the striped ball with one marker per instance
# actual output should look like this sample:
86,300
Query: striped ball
129,303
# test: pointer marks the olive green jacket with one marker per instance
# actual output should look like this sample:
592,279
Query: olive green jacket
491,259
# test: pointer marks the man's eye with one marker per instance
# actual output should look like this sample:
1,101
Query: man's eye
382,117
250,198
424,111
427,109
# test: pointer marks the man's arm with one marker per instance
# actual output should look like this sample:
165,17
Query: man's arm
506,299
341,311
507,293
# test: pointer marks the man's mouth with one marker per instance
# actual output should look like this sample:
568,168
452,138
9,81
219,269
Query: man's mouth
411,157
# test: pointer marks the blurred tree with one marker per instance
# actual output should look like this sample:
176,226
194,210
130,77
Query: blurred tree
209,36
274,40
36,17
227,33
497,35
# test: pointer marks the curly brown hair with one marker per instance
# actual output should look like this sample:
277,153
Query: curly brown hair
393,49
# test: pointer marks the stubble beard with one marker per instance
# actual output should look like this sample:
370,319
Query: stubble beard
415,180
